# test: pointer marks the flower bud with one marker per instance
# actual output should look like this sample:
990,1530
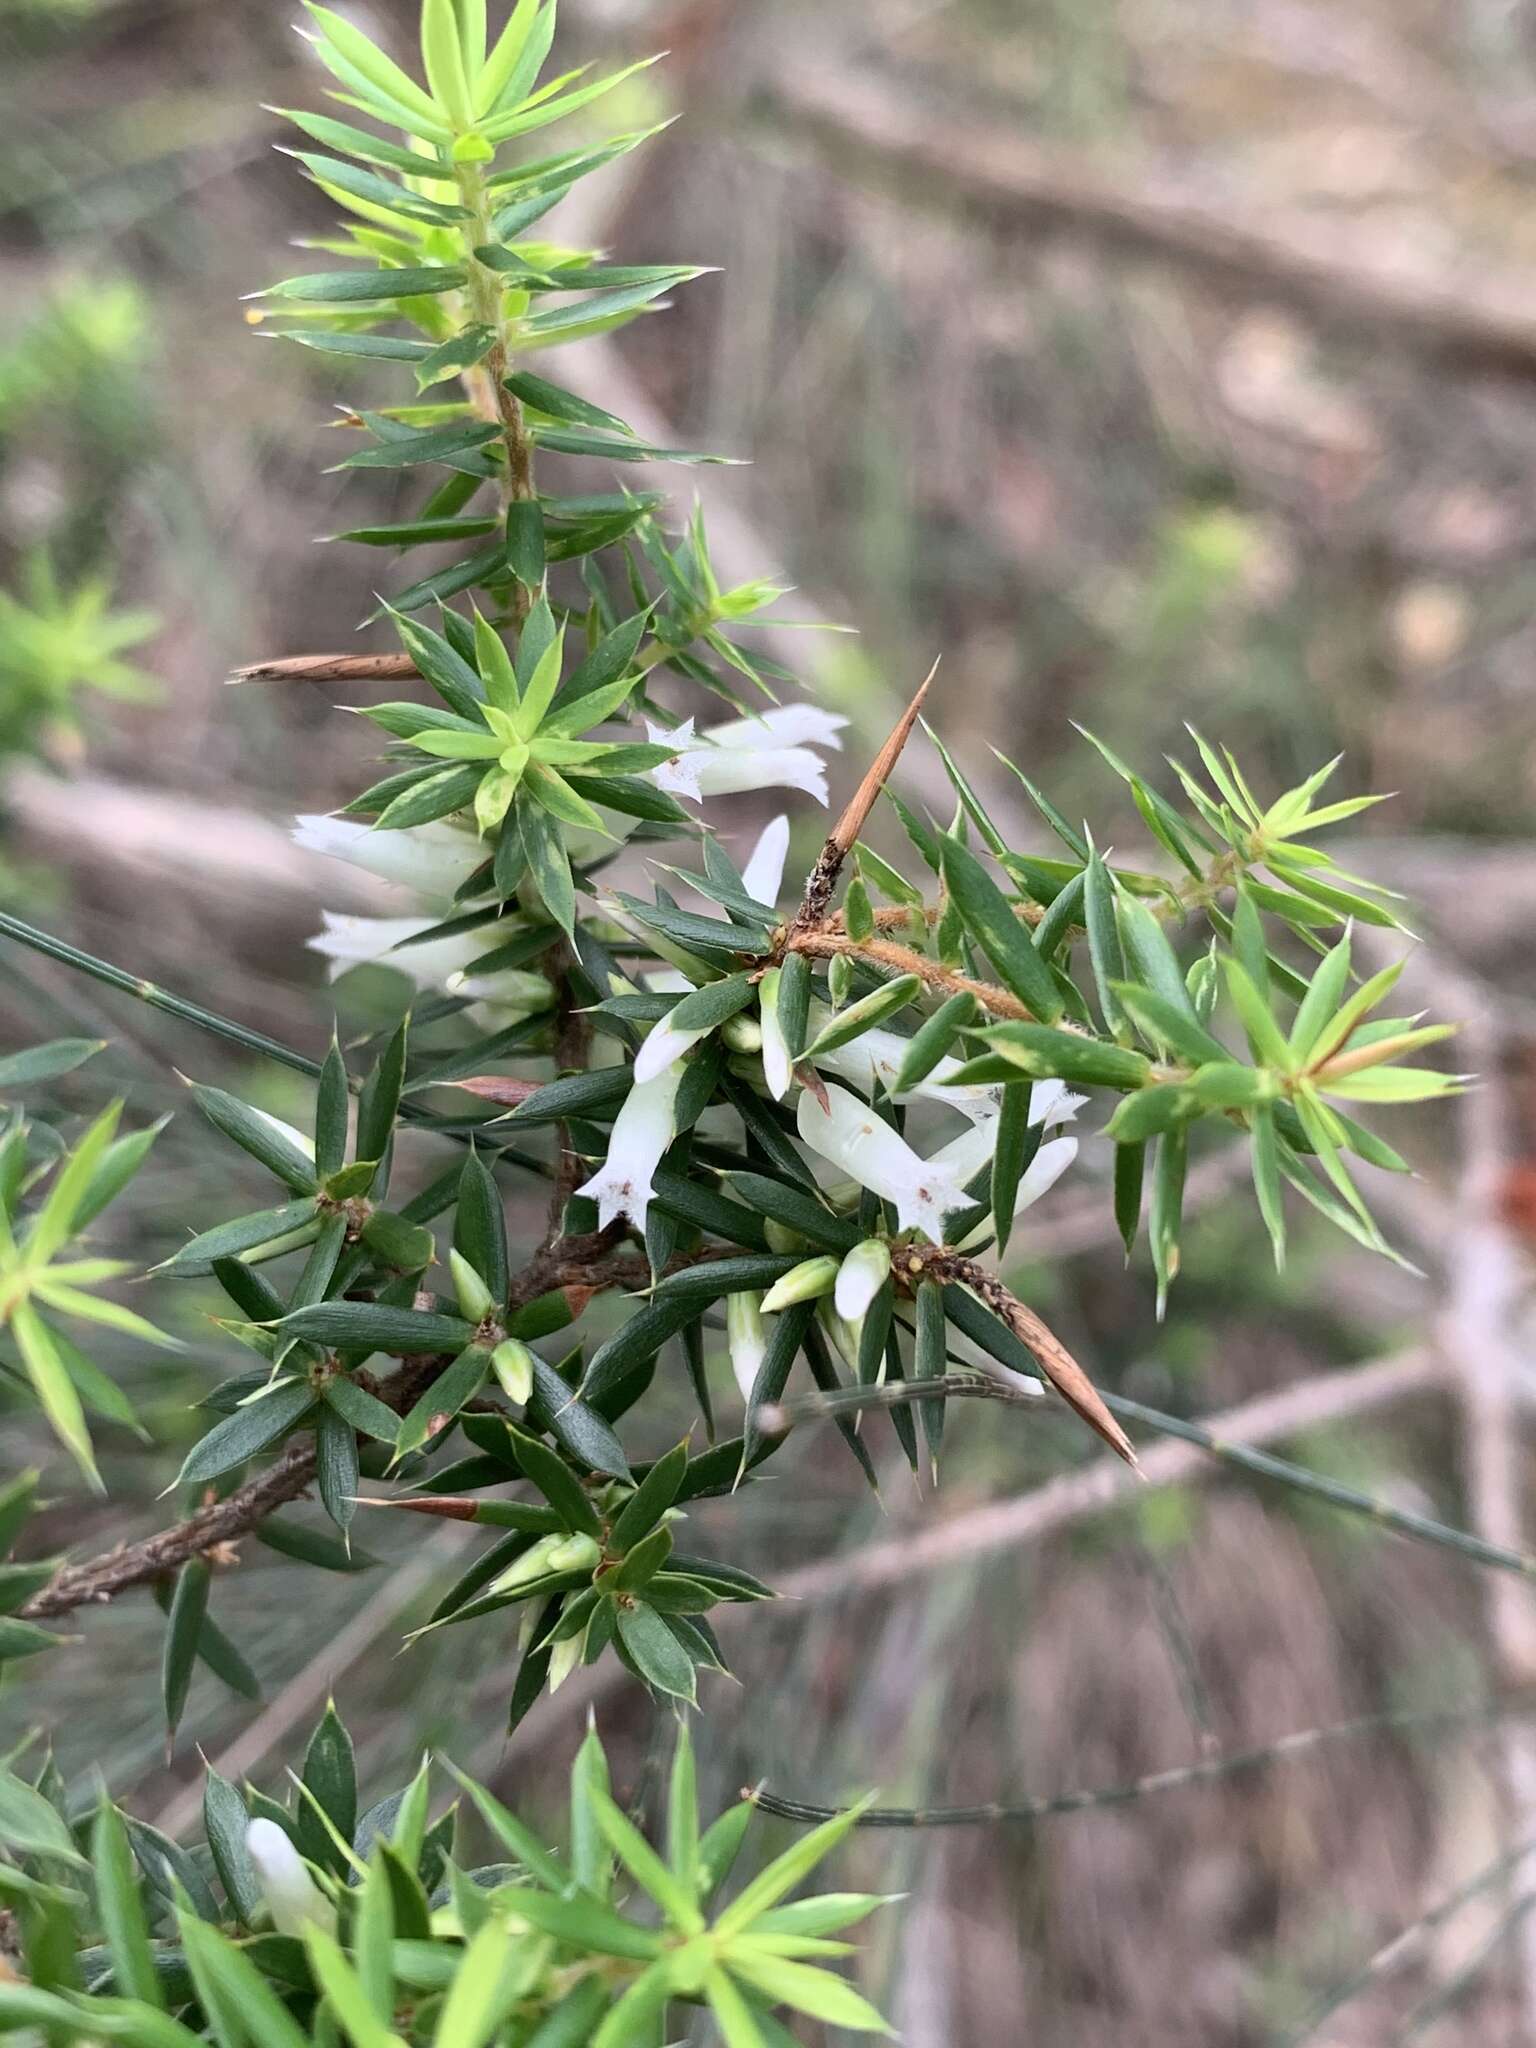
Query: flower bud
575,1554
861,1276
512,1364
781,1236
475,1300
563,1659
805,1282
293,1898
533,1564
742,1033
778,1068
843,1336
511,988
744,1337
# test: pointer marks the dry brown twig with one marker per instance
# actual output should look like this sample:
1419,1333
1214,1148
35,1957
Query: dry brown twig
329,668
840,840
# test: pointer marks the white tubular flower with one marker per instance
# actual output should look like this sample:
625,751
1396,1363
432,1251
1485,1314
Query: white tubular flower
778,1068
1039,1177
430,860
764,871
642,1131
745,1338
854,1139
786,725
350,942
1051,1103
875,1059
662,1048
748,753
860,1278
365,941
293,1898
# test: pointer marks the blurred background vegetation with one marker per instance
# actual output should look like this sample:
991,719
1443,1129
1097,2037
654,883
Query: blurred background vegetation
1152,361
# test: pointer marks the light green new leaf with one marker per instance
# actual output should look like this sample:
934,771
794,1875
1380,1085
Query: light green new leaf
816,1992
786,1871
344,1993
54,1387
643,1864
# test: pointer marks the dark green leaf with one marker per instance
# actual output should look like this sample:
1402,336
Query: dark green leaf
575,1424
330,1775
447,1394
249,1430
189,1604
374,1326
254,1134
225,1821
656,1652
47,1062
480,1228
557,1482
990,919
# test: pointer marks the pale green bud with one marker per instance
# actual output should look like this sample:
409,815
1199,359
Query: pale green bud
563,1659
533,1564
742,1033
805,1282
475,1301
513,988
861,1276
844,1336
781,1238
744,1337
575,1554
512,1364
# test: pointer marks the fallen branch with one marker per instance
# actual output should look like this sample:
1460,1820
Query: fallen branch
941,166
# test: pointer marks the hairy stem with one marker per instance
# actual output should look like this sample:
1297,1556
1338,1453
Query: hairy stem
821,944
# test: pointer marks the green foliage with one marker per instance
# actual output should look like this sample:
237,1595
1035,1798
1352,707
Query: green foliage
311,1923
56,643
50,1193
